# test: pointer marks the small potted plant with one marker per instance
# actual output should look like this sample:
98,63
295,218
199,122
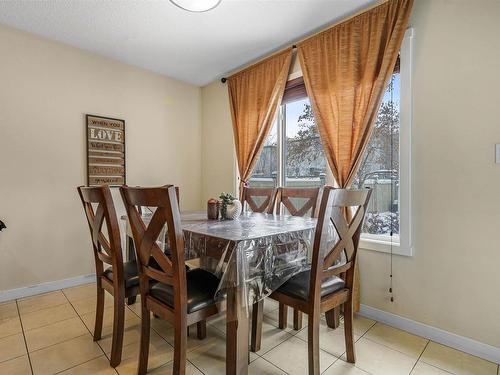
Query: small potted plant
230,207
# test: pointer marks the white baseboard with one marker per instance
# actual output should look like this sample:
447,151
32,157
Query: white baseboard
7,295
464,344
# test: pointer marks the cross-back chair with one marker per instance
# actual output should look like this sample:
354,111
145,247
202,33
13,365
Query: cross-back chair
118,278
328,284
179,296
297,201
267,195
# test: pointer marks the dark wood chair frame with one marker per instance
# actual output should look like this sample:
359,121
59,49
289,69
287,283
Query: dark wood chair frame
107,250
170,271
334,207
267,206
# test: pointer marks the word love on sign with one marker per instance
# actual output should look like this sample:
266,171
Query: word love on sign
105,151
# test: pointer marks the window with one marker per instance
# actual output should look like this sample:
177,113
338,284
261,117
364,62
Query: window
293,156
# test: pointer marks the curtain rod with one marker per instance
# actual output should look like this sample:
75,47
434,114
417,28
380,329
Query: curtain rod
224,79
294,46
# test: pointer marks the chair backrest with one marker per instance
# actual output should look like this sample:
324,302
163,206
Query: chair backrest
99,209
153,264
345,209
290,198
259,199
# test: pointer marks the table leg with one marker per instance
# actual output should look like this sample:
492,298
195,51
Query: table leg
237,334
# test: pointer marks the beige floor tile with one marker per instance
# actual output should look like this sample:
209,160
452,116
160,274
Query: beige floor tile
42,301
87,305
16,366
291,357
273,315
455,361
192,341
55,333
210,356
397,339
10,326
169,368
262,367
8,310
131,335
341,367
270,305
362,324
271,336
80,292
218,321
160,353
422,368
11,347
98,366
89,318
48,316
136,307
379,359
330,340
65,355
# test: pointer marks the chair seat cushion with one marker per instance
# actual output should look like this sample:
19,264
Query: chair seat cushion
130,274
201,289
298,286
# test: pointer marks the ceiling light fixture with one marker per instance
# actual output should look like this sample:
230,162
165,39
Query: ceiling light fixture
196,5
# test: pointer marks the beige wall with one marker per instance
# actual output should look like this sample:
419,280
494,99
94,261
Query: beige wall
218,155
452,281
45,90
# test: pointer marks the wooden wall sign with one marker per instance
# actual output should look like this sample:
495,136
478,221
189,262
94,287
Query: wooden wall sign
105,151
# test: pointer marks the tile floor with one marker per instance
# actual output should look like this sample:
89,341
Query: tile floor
51,334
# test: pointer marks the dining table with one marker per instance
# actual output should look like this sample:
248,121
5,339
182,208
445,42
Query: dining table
252,256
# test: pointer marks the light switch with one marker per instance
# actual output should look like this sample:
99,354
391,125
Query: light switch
497,153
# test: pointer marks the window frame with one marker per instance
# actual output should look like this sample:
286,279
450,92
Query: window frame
401,244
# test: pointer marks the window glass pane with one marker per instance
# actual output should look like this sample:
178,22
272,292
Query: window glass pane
304,158
265,173
379,168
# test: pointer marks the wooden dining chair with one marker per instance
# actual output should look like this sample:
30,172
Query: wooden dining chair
326,284
259,199
297,202
119,279
179,296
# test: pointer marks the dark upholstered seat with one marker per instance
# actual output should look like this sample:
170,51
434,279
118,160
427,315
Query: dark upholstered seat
129,274
201,288
298,286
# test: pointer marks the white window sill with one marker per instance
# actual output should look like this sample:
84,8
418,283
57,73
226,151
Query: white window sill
383,244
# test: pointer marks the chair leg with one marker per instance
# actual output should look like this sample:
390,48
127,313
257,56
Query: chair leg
99,313
297,320
144,346
257,315
201,329
333,317
118,327
348,331
313,342
131,300
180,342
283,316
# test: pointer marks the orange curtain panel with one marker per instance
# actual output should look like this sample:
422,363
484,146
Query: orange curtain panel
254,95
346,71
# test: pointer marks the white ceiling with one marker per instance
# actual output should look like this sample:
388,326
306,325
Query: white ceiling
156,35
